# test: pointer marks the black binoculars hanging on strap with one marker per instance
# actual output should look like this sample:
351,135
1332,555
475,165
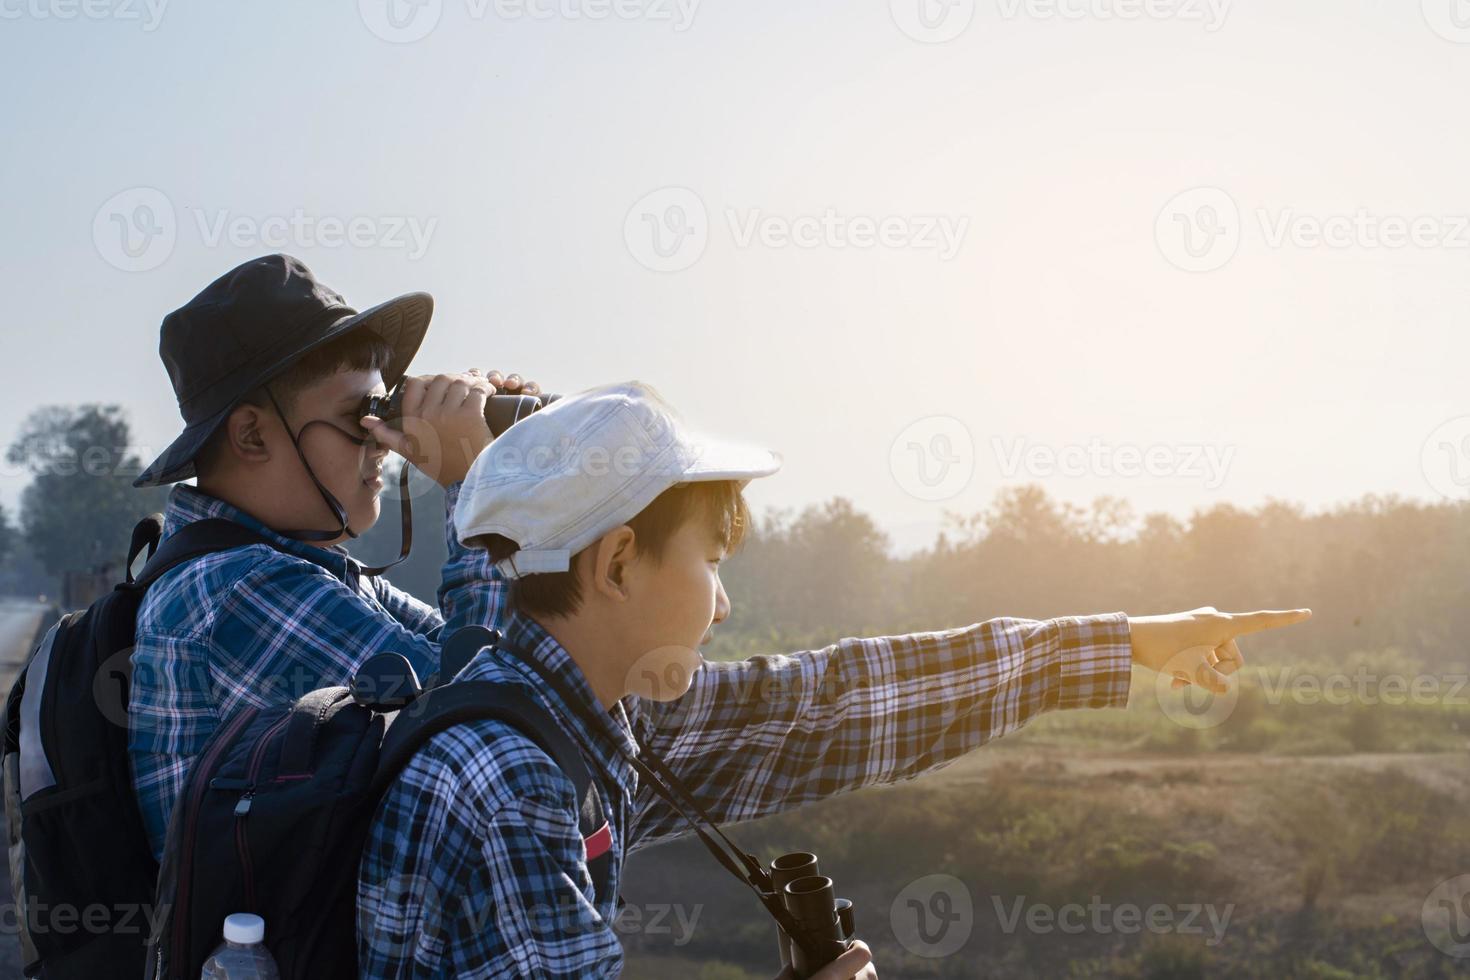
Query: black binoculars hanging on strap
826,921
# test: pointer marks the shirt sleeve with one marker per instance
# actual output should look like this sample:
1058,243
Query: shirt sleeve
471,591
282,627
773,733
170,713
412,612
474,867
287,626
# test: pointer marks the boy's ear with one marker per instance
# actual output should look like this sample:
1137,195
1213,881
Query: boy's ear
243,437
614,552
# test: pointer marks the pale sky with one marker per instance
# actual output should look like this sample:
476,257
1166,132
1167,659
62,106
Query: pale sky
923,251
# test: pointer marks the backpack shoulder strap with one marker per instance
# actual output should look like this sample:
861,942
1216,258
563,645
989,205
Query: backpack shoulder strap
444,707
193,541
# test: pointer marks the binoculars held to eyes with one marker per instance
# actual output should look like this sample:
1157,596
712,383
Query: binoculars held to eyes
501,411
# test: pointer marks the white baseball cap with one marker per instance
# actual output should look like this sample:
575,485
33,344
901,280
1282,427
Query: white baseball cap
560,479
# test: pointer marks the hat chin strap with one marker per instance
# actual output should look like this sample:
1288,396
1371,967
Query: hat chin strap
336,506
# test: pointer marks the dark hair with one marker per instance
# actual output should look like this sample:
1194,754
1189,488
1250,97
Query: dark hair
719,503
356,350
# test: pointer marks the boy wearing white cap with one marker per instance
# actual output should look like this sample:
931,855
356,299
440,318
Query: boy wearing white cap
612,522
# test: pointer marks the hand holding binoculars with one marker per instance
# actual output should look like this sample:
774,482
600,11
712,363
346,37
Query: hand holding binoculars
501,411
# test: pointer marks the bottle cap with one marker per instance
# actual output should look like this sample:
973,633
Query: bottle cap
244,929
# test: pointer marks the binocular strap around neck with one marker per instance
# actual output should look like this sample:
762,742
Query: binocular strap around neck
669,787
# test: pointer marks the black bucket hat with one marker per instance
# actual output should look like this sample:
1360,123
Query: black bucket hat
247,327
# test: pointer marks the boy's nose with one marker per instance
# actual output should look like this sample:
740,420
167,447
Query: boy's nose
722,604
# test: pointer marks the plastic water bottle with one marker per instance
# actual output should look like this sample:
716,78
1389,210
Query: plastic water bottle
242,956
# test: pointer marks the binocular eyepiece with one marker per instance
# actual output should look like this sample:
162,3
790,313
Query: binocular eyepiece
826,921
501,411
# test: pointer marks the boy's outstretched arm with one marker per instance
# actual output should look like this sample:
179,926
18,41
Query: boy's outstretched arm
773,733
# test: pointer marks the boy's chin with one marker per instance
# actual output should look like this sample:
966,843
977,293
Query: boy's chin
368,511
665,674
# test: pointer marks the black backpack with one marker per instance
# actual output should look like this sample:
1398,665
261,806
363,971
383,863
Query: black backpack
80,864
277,807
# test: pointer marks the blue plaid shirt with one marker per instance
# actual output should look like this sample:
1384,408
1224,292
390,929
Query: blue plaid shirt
475,867
261,624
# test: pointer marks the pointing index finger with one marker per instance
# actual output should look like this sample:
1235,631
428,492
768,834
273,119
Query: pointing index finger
1267,619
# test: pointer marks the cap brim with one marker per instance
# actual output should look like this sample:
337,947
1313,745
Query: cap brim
731,461
402,322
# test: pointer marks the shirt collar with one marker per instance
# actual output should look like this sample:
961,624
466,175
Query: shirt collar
187,504
528,636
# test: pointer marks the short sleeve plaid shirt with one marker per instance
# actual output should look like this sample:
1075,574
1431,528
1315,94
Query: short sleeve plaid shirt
262,624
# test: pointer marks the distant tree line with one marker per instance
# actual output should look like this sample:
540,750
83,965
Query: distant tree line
1378,572
1381,572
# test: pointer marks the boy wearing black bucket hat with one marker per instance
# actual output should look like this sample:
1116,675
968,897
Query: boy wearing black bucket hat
270,367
